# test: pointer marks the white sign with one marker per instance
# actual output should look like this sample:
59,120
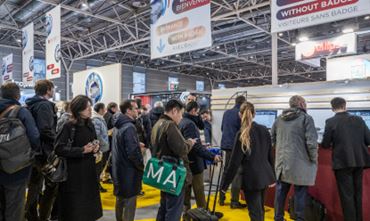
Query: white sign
7,68
345,44
179,26
200,85
101,84
27,54
348,67
53,47
139,82
173,84
293,14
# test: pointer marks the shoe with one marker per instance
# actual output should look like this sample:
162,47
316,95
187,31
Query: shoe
221,201
238,205
142,193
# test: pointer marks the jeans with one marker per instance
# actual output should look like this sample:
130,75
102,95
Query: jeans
12,202
125,208
34,196
255,200
198,187
237,181
349,182
300,193
171,207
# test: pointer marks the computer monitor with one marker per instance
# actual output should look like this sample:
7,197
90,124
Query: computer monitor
265,117
364,114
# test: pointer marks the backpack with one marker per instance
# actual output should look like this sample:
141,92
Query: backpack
15,148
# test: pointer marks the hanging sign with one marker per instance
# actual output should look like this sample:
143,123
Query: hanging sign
293,14
27,54
179,26
7,68
53,39
345,44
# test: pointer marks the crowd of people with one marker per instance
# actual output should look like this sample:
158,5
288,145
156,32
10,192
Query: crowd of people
112,144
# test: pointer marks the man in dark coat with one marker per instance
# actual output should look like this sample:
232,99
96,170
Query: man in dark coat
167,140
127,161
13,186
44,113
196,156
349,137
230,127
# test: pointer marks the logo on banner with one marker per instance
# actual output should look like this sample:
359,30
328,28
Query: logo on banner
3,69
24,39
94,87
30,63
49,24
57,53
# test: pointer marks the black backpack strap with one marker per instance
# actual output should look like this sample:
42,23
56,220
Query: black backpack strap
14,111
9,110
71,138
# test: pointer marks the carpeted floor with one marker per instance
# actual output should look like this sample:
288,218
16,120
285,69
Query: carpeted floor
148,207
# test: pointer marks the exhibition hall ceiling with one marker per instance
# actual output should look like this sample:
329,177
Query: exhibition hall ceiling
119,31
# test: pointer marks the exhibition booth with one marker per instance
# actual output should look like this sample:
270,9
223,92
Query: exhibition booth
271,100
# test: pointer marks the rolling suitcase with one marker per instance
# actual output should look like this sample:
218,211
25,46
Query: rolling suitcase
204,214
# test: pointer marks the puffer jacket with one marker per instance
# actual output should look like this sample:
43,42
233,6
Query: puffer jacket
295,138
101,131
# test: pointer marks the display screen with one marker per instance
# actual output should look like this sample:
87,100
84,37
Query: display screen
364,114
265,117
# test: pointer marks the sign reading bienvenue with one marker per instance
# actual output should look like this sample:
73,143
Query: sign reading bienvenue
179,26
293,14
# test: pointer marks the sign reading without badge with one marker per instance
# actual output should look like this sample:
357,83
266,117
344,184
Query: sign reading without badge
179,26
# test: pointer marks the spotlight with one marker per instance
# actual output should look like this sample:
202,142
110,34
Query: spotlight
281,34
303,38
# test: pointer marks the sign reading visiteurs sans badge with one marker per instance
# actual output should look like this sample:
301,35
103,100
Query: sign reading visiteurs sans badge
179,26
293,14
53,49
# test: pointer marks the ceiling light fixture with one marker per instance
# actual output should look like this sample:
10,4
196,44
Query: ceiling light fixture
281,34
367,17
19,40
303,38
347,30
293,44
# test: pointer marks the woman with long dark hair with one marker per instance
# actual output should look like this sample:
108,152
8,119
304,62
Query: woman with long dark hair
252,150
79,197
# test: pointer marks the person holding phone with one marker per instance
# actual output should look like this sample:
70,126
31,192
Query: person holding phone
79,197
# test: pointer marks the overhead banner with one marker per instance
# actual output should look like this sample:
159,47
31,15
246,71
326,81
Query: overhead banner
179,26
293,14
7,68
349,67
53,39
345,44
27,55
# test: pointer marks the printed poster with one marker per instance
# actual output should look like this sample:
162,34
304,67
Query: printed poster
27,55
294,14
179,26
53,48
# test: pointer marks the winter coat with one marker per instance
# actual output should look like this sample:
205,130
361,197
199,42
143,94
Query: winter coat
45,114
257,166
101,131
108,117
127,160
144,129
349,137
198,153
79,196
62,120
207,132
155,114
295,138
33,135
167,140
230,127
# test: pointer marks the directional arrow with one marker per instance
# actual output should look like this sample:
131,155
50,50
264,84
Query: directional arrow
161,46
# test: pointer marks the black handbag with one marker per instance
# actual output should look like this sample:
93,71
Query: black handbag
55,168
